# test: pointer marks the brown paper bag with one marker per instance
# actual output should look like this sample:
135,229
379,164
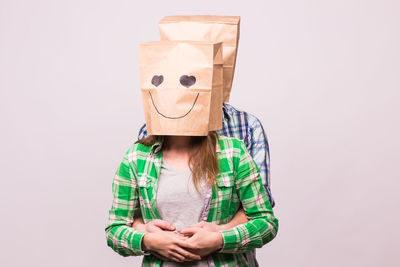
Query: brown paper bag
223,29
181,86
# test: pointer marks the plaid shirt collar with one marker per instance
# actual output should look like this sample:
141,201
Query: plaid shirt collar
156,147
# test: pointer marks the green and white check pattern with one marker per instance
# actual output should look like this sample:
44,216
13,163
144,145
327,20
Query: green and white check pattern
238,183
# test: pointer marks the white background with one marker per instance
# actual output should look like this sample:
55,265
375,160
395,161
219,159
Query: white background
322,76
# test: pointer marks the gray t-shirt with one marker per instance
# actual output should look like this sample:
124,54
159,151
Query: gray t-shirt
179,203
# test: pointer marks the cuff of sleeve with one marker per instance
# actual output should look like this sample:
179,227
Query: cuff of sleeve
229,237
137,240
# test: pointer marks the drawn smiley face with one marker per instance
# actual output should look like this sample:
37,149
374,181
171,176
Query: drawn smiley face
181,86
186,81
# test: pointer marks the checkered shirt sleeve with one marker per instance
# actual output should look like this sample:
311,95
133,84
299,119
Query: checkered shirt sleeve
259,149
121,237
262,226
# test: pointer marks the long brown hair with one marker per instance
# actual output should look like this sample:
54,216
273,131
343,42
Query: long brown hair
203,161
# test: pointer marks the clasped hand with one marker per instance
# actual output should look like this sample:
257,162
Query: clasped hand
190,244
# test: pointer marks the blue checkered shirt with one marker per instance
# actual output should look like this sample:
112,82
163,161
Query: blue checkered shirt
248,128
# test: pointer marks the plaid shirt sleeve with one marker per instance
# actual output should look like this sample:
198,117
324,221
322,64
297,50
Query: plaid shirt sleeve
262,226
259,150
121,237
142,132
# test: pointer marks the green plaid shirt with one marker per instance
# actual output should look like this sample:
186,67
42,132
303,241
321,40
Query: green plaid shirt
238,183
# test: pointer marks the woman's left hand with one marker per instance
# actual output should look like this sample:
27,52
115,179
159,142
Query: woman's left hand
203,242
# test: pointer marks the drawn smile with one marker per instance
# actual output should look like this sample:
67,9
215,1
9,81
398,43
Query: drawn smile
174,118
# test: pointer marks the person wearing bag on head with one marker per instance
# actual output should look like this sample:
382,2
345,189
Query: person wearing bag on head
184,172
236,123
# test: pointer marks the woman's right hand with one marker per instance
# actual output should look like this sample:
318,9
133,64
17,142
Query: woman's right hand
169,246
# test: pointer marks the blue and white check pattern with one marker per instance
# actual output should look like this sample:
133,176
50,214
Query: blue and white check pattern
248,128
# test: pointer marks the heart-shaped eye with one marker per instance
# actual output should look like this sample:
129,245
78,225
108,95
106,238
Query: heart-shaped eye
187,81
157,80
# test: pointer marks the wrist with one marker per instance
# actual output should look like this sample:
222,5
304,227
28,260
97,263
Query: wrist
219,240
225,227
146,242
140,227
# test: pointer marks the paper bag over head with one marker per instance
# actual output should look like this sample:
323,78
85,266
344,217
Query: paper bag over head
181,83
223,29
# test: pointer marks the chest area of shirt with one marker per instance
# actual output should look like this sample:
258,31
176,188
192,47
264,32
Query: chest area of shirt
222,201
